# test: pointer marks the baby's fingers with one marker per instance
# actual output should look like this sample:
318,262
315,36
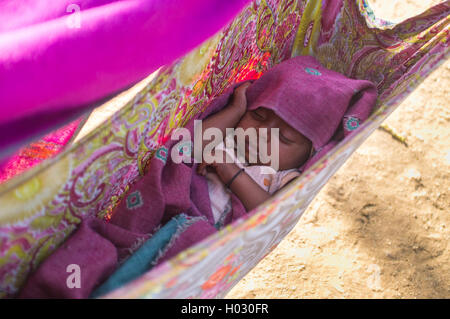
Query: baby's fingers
240,90
201,169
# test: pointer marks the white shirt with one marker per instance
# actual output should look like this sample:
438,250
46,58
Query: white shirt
220,196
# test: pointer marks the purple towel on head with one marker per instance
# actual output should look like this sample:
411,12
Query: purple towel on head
319,103
322,104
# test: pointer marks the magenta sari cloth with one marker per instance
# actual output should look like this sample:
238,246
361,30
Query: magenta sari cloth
59,58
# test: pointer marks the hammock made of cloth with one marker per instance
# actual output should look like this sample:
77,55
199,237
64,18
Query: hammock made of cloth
41,208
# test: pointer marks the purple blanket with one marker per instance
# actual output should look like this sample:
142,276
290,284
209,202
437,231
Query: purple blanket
59,58
98,247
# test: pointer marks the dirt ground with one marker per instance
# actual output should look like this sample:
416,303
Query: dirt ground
380,227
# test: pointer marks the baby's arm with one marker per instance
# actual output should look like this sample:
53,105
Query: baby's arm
230,115
245,188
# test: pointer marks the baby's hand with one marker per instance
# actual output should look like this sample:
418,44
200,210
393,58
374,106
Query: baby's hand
224,158
201,168
239,100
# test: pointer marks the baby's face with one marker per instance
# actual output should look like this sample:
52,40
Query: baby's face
294,147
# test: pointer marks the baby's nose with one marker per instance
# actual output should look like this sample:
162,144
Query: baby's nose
264,134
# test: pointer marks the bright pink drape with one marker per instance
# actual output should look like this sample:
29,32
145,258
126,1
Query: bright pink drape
59,58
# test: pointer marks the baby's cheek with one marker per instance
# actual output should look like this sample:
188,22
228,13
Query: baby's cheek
291,156
279,154
283,150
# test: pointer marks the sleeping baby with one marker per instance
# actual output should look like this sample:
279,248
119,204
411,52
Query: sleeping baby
255,138
232,171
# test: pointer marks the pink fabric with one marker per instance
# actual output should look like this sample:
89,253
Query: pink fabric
95,247
51,72
36,152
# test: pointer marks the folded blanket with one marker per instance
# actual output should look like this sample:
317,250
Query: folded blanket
167,241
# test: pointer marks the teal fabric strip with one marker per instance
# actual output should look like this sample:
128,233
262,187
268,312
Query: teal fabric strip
141,261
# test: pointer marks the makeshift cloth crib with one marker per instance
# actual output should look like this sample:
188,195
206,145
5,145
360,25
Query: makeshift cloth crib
42,207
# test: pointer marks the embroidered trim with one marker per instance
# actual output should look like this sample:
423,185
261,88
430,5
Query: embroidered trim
162,153
134,200
185,148
352,123
312,71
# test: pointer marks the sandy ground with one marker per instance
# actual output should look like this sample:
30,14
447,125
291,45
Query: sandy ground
380,227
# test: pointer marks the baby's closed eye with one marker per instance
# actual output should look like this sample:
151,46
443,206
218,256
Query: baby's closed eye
284,139
258,115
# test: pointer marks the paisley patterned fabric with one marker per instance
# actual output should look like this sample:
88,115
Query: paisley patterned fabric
42,208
